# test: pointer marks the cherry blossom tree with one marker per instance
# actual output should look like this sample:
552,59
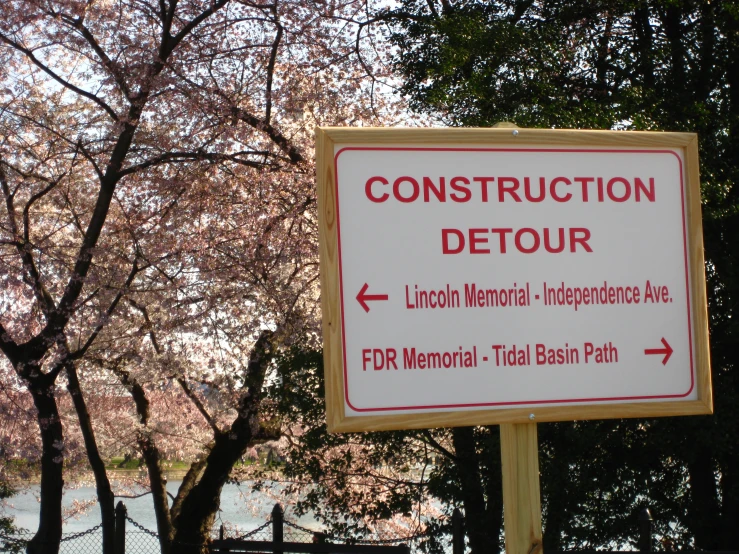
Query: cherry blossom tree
156,175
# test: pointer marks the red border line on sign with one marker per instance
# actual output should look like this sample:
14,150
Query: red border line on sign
517,402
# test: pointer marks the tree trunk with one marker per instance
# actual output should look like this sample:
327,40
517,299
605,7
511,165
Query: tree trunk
49,533
731,28
494,484
555,490
188,482
105,497
643,47
704,508
151,454
479,531
672,22
198,508
707,61
158,485
729,504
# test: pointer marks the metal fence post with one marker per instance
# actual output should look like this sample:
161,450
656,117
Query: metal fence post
119,539
457,532
277,528
319,538
645,531
221,536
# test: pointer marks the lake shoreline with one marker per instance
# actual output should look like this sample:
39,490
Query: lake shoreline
241,508
88,477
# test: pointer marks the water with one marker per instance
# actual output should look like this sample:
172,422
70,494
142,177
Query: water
241,508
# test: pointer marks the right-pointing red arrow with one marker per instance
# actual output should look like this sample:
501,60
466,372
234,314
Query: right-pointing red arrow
667,351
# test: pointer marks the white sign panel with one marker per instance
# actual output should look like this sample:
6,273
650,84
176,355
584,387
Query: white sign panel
488,277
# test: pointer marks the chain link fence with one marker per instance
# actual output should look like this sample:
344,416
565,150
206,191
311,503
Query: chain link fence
261,533
85,542
297,533
140,540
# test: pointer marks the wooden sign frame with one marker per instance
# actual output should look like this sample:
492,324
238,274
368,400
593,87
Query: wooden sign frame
326,141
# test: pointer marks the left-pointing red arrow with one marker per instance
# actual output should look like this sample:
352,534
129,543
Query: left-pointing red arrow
362,297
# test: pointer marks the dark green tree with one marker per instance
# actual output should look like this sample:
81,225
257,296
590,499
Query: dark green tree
607,64
647,65
595,475
9,541
6,491
350,481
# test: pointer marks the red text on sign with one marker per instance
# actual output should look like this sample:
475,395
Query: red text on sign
407,189
379,358
525,240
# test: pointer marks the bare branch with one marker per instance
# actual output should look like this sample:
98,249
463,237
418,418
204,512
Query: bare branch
437,446
110,65
75,217
185,386
141,495
433,9
109,312
78,145
199,405
169,45
29,54
61,316
271,68
137,392
275,136
8,345
147,324
31,273
239,114
31,202
56,370
181,157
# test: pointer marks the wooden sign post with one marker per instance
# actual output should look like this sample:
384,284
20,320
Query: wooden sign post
521,493
510,276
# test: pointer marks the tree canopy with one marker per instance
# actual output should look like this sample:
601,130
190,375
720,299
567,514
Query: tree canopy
651,65
158,248
668,65
157,238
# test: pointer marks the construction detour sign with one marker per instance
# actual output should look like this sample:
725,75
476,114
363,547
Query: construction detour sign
476,276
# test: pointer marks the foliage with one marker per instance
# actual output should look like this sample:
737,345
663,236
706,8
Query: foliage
591,482
158,240
403,483
6,523
611,64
